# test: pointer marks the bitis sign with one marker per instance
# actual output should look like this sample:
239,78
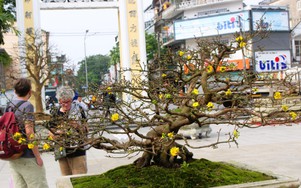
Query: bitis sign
272,61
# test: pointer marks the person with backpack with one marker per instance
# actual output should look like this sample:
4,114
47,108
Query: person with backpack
69,130
28,170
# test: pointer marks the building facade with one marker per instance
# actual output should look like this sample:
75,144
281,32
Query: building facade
178,23
13,70
294,7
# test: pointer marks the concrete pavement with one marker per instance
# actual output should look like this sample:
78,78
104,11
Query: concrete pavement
271,149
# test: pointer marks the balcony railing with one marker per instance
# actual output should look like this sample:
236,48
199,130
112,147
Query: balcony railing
168,38
171,8
192,3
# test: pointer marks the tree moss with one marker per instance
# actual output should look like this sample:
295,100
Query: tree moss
198,173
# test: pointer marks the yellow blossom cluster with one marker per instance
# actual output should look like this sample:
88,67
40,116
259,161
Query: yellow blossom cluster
277,95
188,57
284,108
255,90
169,135
195,104
236,133
30,145
228,92
181,53
46,146
174,151
241,41
19,138
115,117
209,69
223,68
293,115
195,91
210,105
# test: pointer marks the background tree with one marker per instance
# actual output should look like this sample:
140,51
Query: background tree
97,67
36,56
151,46
115,58
7,19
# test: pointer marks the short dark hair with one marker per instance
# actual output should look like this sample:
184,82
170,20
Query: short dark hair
22,87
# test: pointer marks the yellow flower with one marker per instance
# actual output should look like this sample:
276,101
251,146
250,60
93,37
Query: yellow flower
164,75
209,68
284,108
46,146
170,135
30,146
174,151
242,44
61,148
240,38
254,90
109,88
293,115
228,92
50,138
210,105
115,117
195,104
277,95
195,91
223,68
21,140
160,96
17,136
31,137
181,53
235,133
188,57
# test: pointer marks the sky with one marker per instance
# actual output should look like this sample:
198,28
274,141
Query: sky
68,27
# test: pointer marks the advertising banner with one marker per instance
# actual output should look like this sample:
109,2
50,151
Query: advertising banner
272,61
211,26
271,20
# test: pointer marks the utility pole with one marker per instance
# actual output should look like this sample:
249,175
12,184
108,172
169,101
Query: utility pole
87,84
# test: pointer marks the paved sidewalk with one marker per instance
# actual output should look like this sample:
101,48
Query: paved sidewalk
273,149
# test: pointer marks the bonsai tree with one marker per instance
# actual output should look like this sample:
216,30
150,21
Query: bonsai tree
193,87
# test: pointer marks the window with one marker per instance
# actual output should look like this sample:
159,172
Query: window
298,4
298,48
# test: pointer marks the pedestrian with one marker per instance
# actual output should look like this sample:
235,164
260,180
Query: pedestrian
28,170
109,99
82,106
82,103
71,157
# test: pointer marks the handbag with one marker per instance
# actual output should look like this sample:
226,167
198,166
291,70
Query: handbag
59,153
